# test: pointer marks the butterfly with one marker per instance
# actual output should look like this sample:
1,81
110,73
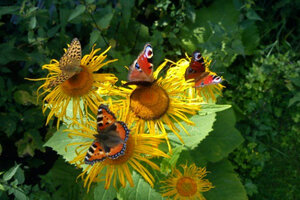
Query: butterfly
69,63
197,71
141,71
110,140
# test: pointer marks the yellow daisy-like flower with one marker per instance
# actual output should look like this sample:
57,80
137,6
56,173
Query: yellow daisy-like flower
153,107
209,91
187,186
139,149
78,92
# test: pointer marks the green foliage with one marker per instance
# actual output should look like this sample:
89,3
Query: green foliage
268,118
255,44
11,182
142,190
226,182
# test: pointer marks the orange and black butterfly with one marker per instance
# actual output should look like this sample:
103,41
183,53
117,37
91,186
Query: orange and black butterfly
110,140
197,71
69,63
141,71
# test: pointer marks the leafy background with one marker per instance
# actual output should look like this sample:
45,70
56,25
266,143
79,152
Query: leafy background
254,147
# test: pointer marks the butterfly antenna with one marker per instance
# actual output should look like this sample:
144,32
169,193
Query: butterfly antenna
212,65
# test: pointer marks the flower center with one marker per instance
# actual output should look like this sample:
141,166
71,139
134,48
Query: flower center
186,186
127,155
149,102
79,84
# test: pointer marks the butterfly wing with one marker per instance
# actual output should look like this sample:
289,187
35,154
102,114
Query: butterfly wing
62,77
123,133
208,80
196,68
142,68
69,63
105,118
95,154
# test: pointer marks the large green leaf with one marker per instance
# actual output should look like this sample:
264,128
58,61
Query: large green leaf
203,125
223,140
102,194
212,108
226,182
141,190
59,141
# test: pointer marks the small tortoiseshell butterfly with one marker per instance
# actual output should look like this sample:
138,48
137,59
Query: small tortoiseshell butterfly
141,71
110,140
69,63
197,71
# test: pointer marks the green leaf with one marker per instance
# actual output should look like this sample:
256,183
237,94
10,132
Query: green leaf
2,188
32,140
8,10
94,36
23,97
168,163
238,47
104,17
76,12
127,5
32,22
10,173
222,11
0,150
250,37
250,187
103,194
59,141
296,81
251,14
20,176
212,108
222,141
141,190
62,181
295,99
203,125
226,182
19,194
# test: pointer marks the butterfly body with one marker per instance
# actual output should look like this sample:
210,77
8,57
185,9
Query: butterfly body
197,71
110,141
141,71
69,63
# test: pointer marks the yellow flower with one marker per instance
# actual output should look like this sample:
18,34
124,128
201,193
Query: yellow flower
209,91
139,149
153,107
78,92
187,186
